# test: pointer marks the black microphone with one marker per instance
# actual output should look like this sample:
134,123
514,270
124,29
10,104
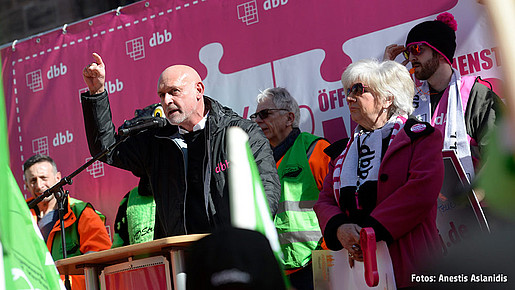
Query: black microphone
155,122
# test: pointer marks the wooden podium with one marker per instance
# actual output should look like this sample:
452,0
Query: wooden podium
91,264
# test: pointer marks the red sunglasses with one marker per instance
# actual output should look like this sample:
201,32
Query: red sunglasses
414,48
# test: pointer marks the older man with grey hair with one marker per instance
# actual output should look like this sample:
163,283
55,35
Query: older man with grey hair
302,166
180,159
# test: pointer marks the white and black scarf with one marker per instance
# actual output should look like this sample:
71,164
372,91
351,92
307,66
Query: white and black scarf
360,160
449,118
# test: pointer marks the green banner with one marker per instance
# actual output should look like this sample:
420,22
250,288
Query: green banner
25,262
4,144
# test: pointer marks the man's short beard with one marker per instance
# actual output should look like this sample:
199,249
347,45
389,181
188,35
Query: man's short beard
177,121
428,68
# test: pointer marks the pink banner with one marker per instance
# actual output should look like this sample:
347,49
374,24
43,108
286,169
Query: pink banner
150,277
239,48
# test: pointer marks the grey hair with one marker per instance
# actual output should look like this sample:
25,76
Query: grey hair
37,159
385,79
282,100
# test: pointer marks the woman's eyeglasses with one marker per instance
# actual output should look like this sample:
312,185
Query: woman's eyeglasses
356,89
263,114
414,48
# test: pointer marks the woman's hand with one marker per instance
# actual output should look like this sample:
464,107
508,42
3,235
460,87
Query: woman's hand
348,235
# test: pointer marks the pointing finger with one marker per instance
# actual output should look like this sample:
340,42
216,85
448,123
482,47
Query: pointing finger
97,58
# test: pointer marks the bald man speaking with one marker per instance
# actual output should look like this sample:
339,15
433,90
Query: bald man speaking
179,159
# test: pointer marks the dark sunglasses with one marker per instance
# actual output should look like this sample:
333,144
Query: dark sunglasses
356,89
415,49
263,114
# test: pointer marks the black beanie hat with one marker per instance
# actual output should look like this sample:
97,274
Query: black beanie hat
439,34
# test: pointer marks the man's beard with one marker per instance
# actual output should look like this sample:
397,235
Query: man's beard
428,68
177,120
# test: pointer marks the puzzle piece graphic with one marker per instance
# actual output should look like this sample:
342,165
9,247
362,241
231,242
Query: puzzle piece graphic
300,74
293,33
237,90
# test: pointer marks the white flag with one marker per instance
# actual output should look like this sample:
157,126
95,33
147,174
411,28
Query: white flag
249,208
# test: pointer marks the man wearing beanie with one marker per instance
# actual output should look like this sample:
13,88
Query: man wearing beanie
463,109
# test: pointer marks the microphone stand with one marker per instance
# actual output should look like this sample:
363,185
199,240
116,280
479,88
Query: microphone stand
61,196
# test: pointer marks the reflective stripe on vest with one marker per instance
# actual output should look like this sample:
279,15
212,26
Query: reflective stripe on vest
303,205
296,222
299,237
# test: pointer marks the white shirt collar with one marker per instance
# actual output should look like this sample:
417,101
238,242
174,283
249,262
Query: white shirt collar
199,126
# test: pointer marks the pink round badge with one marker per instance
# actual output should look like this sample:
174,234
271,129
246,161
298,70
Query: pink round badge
418,128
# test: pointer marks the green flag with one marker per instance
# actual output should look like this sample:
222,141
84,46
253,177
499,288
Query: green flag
25,262
249,208
4,144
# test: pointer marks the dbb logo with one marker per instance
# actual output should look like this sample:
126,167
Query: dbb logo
114,87
61,139
158,38
269,4
439,120
221,166
56,71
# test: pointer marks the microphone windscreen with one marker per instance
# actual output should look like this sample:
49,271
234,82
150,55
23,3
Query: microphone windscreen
158,112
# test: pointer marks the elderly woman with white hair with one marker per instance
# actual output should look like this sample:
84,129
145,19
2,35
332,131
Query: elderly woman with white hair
389,174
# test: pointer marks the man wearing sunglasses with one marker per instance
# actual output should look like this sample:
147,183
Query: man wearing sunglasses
186,160
302,166
463,109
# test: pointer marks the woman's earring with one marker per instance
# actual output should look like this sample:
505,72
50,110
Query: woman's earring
384,110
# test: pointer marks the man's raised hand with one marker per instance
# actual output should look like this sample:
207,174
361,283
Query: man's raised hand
94,75
392,51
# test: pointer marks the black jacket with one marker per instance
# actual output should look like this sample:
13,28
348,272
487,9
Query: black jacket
154,153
